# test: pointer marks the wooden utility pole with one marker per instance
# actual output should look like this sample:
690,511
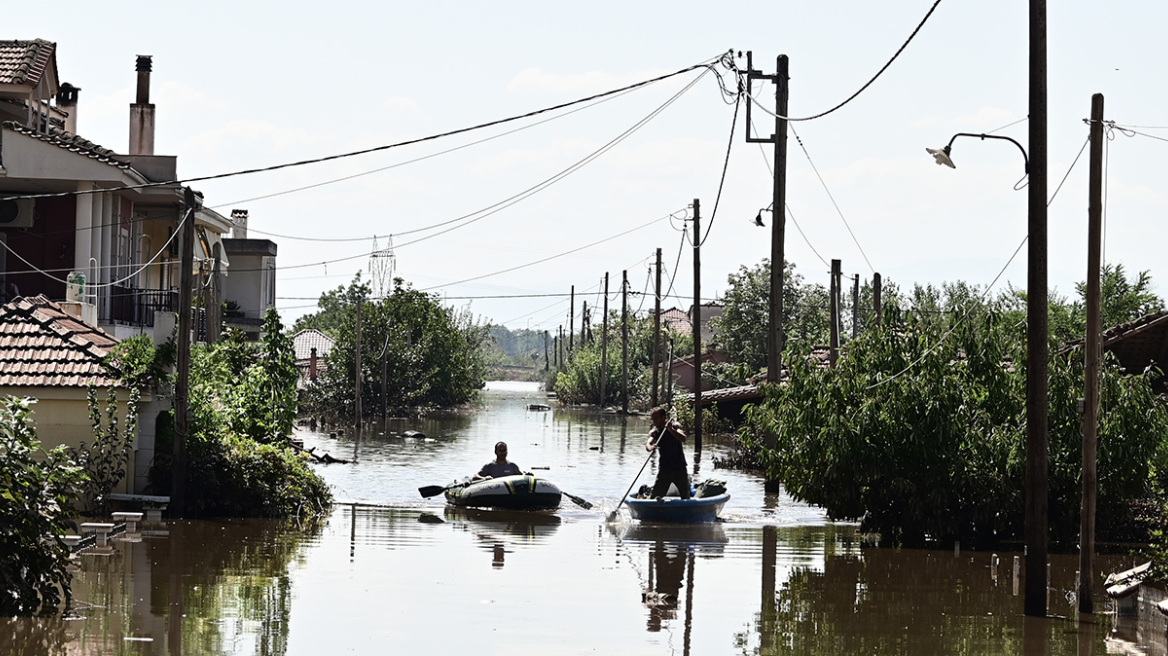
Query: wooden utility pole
182,383
625,341
835,311
358,368
1092,347
385,379
656,330
876,308
781,81
585,321
856,307
572,321
697,325
604,345
1037,329
546,363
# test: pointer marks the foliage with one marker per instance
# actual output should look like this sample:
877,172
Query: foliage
743,326
35,490
414,353
922,435
579,380
104,462
139,364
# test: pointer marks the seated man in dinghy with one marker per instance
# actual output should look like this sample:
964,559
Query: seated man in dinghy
500,466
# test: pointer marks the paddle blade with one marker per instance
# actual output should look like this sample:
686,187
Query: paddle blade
578,501
431,491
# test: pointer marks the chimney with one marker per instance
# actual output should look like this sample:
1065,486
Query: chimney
312,365
142,112
239,218
67,102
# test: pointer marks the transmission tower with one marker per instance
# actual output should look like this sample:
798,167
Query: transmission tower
382,263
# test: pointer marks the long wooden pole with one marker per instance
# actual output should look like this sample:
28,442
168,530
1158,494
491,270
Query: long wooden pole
656,331
1092,348
778,223
835,311
625,342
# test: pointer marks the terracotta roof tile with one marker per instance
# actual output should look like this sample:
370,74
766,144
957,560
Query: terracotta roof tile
70,142
42,346
24,62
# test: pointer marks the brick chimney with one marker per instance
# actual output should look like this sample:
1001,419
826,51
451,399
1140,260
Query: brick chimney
67,102
312,365
239,218
142,111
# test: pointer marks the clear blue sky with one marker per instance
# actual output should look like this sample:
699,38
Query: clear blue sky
242,85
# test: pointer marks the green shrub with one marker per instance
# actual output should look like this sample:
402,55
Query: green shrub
35,492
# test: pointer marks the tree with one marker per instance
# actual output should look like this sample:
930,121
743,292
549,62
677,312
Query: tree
433,355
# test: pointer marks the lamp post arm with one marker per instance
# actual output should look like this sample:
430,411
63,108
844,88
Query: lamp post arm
982,136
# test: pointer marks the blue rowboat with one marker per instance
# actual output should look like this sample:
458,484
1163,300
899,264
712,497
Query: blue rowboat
675,509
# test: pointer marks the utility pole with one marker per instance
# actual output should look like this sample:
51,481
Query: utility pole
625,341
358,367
1037,329
835,311
778,205
876,308
604,345
656,330
1092,347
697,326
546,363
572,321
585,321
856,307
182,384
385,379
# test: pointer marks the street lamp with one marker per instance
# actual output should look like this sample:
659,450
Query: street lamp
1037,322
941,155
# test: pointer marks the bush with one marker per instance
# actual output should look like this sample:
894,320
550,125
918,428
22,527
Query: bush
35,492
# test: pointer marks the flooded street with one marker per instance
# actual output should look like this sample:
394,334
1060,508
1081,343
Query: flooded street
390,572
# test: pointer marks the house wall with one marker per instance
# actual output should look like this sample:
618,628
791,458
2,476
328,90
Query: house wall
48,246
61,417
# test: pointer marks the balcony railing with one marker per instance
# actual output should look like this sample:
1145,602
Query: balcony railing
136,307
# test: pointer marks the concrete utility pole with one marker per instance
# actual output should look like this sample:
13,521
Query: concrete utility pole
604,345
1092,348
1037,329
625,341
182,383
778,206
656,330
697,326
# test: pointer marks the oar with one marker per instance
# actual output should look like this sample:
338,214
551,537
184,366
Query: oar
428,491
577,500
612,515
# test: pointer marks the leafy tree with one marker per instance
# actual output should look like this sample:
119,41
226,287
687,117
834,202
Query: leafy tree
104,461
35,492
920,432
432,355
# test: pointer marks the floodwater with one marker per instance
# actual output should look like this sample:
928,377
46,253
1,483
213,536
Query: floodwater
389,572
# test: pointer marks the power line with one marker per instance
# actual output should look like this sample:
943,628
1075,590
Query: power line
218,176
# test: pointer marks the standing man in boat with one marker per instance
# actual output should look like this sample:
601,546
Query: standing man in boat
500,466
666,437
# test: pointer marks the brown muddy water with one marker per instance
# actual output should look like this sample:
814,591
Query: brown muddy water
389,572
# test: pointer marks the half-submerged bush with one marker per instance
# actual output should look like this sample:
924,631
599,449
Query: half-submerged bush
35,492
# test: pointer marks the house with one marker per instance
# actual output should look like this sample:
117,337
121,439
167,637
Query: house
312,349
81,224
51,356
249,290
95,234
1137,345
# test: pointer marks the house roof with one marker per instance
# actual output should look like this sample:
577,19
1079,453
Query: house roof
1136,344
25,62
43,346
71,143
305,340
